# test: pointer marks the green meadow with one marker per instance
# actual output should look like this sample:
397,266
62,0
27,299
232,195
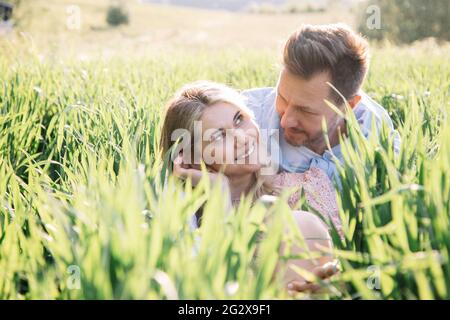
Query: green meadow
88,210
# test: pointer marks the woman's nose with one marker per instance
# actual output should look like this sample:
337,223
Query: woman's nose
240,138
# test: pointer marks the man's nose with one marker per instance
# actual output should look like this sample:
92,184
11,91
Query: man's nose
288,119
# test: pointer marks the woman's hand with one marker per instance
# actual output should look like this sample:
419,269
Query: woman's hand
195,173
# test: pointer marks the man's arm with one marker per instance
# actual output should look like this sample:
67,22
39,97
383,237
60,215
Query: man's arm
371,108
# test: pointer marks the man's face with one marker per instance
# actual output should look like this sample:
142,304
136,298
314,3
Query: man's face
301,106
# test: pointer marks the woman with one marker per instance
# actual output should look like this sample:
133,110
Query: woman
230,146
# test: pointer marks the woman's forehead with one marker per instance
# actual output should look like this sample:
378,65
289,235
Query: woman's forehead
219,115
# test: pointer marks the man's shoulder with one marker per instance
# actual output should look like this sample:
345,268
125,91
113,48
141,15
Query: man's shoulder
261,101
369,105
369,108
258,96
258,91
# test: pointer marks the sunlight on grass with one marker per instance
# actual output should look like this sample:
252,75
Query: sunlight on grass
81,187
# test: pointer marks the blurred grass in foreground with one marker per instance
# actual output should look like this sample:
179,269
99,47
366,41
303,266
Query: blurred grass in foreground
83,213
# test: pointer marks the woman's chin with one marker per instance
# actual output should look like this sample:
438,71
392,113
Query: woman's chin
241,169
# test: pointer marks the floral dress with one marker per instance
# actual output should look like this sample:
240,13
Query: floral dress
319,192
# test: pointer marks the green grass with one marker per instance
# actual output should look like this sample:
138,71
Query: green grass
81,192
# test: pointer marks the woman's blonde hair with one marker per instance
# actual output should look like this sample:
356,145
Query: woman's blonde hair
187,106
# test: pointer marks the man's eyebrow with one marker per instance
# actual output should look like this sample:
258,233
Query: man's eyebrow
306,108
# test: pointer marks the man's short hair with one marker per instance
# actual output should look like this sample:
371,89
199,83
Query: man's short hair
334,48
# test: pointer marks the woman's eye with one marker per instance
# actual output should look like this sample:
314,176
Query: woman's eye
218,136
239,119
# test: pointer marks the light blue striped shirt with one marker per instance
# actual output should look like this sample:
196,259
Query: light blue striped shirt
299,159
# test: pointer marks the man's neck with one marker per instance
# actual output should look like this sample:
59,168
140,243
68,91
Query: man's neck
341,130
333,139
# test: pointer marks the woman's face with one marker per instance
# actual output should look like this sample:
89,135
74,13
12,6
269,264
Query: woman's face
230,140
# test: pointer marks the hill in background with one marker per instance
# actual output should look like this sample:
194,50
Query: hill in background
251,5
232,5
157,27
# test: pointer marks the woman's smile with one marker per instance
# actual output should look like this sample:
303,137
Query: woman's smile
249,151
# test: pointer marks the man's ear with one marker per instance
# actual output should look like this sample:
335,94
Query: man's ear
353,102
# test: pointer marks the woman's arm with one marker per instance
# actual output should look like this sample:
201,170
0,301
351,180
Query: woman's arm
317,240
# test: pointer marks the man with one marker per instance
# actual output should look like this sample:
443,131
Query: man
313,57
292,112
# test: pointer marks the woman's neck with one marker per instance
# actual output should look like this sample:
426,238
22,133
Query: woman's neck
241,185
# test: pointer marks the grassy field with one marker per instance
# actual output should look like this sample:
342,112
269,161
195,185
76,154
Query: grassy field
84,215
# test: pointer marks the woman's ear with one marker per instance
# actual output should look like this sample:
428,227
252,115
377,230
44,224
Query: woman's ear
353,102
